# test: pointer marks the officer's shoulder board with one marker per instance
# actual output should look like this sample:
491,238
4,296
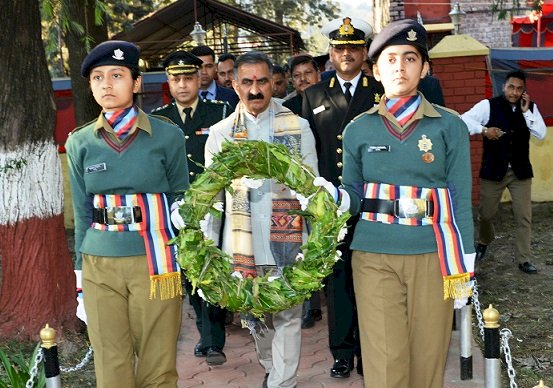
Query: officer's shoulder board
82,126
162,118
218,102
162,107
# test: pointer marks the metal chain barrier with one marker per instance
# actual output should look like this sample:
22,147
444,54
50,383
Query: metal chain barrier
478,309
33,371
505,336
86,359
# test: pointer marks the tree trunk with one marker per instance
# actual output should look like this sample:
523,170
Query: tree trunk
37,281
82,12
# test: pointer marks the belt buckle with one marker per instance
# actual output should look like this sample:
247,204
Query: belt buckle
410,208
117,215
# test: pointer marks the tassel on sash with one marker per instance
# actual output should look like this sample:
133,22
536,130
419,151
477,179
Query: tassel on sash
155,229
448,238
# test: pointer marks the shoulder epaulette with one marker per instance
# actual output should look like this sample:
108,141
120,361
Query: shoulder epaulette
82,126
360,115
163,118
449,110
215,101
161,107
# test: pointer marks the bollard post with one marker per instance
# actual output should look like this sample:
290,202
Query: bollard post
465,341
492,348
51,362
541,385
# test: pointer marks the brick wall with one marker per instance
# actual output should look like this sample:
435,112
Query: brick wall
482,25
463,81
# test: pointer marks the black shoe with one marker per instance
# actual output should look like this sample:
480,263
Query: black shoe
264,385
359,366
215,356
310,317
341,368
528,267
480,251
199,350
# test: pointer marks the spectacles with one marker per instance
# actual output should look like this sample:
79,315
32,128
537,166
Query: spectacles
305,74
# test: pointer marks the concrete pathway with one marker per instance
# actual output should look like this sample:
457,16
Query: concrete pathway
243,371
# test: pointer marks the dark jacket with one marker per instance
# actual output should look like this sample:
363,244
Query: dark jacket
228,95
326,109
207,113
294,104
512,148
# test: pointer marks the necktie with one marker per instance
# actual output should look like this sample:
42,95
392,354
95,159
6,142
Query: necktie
347,93
204,94
188,115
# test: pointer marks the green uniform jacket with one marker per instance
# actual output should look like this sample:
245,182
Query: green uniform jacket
206,114
153,161
375,153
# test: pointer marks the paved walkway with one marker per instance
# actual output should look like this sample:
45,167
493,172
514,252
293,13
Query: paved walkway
243,371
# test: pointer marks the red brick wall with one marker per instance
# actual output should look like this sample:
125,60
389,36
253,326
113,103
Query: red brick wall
463,81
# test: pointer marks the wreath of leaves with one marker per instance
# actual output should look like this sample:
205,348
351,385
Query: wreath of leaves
209,269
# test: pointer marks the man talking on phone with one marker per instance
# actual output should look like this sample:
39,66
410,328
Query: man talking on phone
506,123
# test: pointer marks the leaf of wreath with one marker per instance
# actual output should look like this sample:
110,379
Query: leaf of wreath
209,269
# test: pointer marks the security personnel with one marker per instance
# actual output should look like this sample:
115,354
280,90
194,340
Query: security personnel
329,106
194,116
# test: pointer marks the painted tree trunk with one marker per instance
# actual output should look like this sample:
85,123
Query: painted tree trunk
37,281
37,284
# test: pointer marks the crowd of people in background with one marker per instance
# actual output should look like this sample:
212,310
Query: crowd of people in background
373,126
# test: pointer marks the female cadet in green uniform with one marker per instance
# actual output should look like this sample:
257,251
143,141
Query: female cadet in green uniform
407,174
125,170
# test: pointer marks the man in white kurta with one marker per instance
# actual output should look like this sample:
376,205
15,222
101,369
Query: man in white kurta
259,117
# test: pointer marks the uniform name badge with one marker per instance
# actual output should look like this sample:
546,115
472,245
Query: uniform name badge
96,168
425,145
319,109
202,131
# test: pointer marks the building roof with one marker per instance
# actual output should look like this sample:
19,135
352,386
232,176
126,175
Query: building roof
169,28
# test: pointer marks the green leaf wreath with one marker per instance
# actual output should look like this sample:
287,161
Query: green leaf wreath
210,270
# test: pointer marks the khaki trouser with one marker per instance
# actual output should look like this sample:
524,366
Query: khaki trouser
405,325
134,338
521,194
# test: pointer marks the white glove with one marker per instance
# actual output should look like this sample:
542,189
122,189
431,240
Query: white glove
335,192
176,218
469,258
81,313
460,303
204,224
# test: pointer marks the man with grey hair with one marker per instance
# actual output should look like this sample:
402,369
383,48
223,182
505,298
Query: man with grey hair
249,234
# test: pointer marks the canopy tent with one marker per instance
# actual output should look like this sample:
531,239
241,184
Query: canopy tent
525,28
537,63
229,29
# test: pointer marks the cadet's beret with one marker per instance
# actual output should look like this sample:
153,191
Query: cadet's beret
181,62
401,32
350,31
111,52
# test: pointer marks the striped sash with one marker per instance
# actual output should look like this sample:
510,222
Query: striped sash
448,238
156,231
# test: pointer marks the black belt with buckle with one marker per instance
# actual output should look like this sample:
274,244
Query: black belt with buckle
117,215
400,208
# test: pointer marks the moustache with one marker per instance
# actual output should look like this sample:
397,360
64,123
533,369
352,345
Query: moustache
258,96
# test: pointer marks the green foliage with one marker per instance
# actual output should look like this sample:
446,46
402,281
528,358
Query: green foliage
209,269
15,371
503,8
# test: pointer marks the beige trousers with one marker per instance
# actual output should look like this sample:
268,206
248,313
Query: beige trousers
134,338
404,323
